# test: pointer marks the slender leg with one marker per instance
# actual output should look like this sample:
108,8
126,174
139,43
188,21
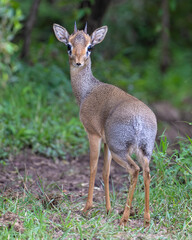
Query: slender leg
146,177
94,142
106,172
133,170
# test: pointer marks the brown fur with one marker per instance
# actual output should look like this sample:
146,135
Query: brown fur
121,121
80,40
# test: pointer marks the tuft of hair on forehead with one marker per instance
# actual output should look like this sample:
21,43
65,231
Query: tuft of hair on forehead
80,37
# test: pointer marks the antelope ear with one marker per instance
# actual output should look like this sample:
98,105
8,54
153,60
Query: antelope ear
61,33
98,35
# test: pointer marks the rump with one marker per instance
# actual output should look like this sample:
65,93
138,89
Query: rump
132,134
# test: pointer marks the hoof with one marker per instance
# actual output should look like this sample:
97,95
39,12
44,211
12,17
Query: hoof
123,222
84,213
146,224
86,210
146,220
108,211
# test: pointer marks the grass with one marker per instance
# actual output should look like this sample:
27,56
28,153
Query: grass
45,217
39,113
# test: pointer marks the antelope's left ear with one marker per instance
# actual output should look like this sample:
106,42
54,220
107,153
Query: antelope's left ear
61,33
98,35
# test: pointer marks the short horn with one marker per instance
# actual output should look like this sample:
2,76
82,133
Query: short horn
85,29
75,27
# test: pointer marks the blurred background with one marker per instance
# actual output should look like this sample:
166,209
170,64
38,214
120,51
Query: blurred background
147,52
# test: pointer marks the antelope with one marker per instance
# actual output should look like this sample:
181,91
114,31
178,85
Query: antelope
124,123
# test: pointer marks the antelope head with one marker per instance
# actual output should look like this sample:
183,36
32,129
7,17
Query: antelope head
79,43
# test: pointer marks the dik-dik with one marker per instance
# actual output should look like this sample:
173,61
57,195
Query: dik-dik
124,123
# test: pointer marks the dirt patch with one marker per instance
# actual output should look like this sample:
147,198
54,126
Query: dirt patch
10,219
36,174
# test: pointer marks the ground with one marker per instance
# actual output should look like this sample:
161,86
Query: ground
26,170
36,174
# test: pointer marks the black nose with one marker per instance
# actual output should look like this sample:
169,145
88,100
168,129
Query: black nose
78,64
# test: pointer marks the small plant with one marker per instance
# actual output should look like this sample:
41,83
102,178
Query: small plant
10,24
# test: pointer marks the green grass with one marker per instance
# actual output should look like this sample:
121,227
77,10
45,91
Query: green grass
170,204
37,111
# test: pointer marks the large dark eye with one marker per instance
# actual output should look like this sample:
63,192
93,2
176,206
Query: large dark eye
89,48
69,48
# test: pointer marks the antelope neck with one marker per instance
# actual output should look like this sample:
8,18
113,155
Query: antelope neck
82,81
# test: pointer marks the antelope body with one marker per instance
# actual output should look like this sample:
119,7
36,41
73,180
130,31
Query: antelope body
124,123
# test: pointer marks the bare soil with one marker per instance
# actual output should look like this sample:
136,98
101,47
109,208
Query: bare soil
10,219
35,173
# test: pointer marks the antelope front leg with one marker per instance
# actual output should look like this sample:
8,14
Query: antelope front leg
94,142
106,172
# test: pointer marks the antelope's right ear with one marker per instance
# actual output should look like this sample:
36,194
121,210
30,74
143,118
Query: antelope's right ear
61,33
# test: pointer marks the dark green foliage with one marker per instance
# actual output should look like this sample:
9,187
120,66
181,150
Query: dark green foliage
36,112
10,17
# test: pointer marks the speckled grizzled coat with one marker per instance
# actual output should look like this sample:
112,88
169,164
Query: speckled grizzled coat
121,120
124,123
